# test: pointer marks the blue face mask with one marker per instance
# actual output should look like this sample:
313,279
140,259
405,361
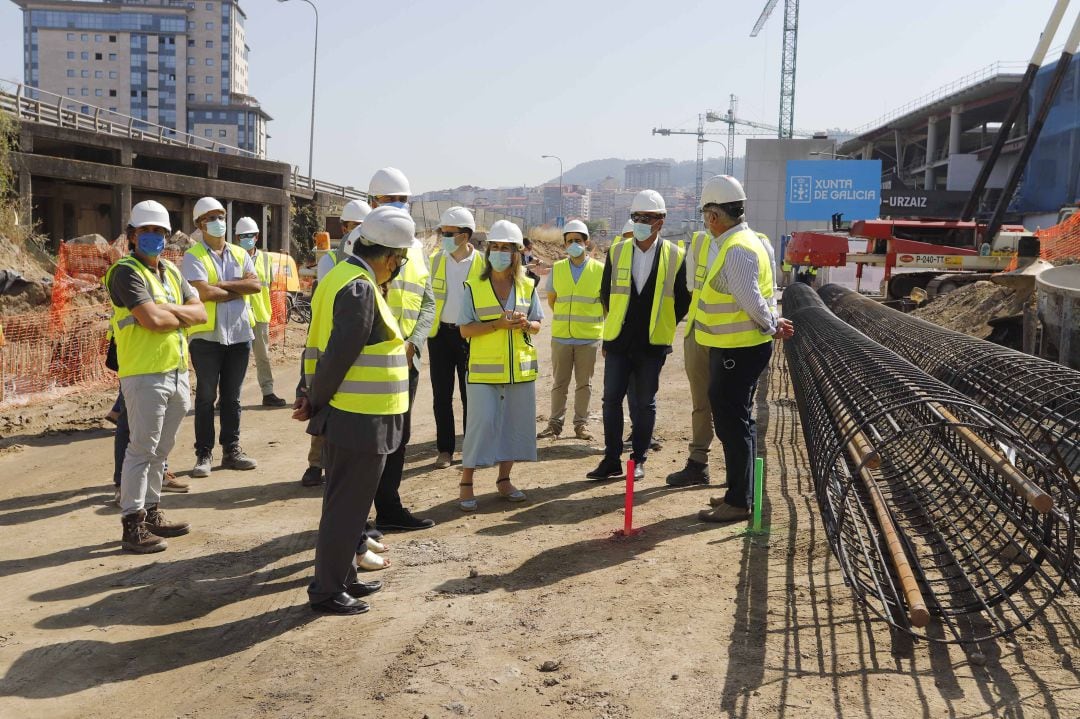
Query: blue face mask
500,260
399,205
248,243
575,250
449,245
215,228
150,244
642,231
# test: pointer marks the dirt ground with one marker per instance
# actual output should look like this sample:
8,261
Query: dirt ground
684,620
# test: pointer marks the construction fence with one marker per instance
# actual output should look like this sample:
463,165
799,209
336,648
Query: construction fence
61,348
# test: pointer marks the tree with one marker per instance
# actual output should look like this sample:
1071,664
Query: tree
597,226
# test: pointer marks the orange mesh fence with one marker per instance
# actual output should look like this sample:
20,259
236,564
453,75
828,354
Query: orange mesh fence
62,348
1061,242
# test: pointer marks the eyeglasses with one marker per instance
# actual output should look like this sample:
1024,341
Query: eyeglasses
450,235
402,261
247,236
645,218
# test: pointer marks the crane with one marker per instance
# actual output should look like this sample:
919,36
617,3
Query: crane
787,61
701,132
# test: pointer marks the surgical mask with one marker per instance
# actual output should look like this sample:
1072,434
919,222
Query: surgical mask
449,245
151,244
575,250
500,260
215,228
248,243
399,205
642,231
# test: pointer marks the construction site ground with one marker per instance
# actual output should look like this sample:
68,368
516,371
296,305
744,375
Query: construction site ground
519,610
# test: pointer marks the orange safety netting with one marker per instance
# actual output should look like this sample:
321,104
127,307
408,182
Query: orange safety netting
62,348
1061,242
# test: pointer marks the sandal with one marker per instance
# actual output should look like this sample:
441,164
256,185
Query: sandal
516,496
467,505
375,546
371,562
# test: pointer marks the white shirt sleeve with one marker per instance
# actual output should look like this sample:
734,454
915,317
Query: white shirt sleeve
192,269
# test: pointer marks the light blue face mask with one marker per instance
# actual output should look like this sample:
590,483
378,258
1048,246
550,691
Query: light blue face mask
399,205
642,231
248,243
500,260
449,245
215,228
575,250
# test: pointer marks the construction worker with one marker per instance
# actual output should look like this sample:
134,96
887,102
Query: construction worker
735,317
358,391
412,303
573,293
787,269
455,262
224,276
352,215
644,294
500,314
152,304
247,236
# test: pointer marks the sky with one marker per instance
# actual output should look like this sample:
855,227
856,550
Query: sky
474,92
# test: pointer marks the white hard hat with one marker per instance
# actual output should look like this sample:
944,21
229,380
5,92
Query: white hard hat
204,205
648,201
355,211
149,212
246,226
505,231
387,226
389,181
458,217
720,190
576,226
628,227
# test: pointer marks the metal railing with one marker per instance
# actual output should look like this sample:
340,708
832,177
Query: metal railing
992,70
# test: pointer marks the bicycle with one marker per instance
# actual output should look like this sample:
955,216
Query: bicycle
298,308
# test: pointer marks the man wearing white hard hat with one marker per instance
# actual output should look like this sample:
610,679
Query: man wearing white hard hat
224,276
644,294
573,293
357,376
352,216
247,236
455,262
735,317
152,305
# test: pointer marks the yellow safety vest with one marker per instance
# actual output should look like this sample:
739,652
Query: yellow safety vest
260,304
662,321
579,314
143,351
406,292
378,381
438,284
203,255
699,248
503,356
719,320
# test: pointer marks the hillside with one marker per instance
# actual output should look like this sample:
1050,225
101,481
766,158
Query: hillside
682,173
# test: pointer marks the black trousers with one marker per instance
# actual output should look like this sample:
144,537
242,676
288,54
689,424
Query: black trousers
636,376
448,355
218,366
733,378
387,499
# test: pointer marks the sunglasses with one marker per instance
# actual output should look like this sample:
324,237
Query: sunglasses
645,218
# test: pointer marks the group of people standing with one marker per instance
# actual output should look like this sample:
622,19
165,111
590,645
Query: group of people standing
380,304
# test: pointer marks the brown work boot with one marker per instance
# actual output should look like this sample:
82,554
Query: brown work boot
724,512
443,460
171,484
552,431
582,432
156,523
136,536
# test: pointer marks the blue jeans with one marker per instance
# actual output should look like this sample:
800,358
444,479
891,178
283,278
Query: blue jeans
224,366
635,376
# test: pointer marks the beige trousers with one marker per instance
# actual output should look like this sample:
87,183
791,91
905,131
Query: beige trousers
696,359
581,361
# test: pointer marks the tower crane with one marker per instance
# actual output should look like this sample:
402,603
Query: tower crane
787,61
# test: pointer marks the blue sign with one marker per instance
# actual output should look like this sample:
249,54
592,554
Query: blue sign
818,189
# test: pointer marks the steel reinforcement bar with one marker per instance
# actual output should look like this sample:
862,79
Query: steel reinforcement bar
936,510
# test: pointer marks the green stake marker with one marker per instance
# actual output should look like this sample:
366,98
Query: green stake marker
759,470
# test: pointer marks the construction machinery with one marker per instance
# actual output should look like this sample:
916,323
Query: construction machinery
789,47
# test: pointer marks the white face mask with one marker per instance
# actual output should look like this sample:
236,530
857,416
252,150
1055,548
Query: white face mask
215,228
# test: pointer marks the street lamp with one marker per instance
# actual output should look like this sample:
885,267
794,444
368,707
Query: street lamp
314,74
562,207
702,140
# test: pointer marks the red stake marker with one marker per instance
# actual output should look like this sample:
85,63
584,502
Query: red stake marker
629,513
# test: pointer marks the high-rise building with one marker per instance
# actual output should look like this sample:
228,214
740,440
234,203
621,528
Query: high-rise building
648,175
176,63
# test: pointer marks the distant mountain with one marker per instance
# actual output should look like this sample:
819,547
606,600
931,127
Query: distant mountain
682,173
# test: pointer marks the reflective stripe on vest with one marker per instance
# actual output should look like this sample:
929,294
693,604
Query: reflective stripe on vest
699,247
438,285
502,356
378,380
203,255
662,320
578,311
260,303
406,293
139,350
720,321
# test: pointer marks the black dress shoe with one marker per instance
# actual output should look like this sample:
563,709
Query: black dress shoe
272,400
403,521
362,589
693,473
313,477
607,469
343,603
